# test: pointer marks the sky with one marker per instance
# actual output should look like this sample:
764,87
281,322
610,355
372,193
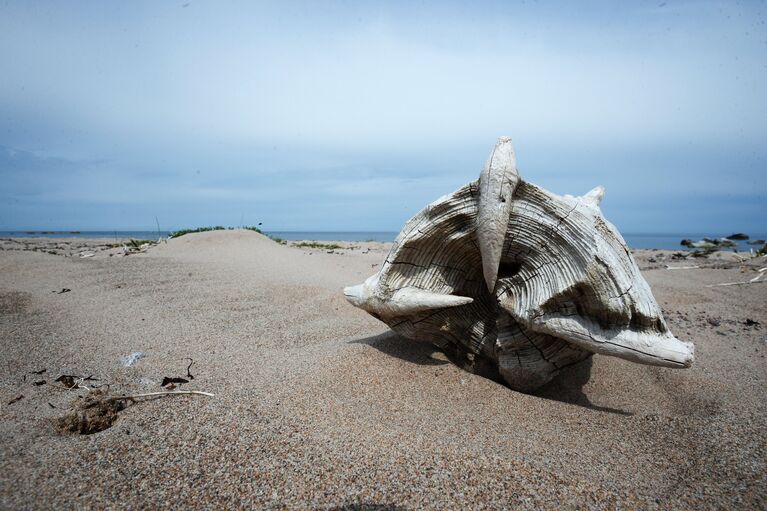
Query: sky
354,115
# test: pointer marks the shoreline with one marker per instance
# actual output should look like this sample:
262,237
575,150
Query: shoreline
636,241
647,258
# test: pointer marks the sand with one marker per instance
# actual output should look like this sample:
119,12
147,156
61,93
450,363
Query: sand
318,406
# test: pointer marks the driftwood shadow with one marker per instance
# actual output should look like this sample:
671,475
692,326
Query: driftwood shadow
394,345
566,387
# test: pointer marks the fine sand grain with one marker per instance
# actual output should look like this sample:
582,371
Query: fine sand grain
318,406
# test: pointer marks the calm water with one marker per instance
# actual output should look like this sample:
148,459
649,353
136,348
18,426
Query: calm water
335,235
634,240
136,235
672,241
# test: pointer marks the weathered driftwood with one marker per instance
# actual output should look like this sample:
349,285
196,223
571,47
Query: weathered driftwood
516,282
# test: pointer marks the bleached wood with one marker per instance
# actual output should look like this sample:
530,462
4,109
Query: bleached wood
515,282
408,300
497,182
595,196
752,281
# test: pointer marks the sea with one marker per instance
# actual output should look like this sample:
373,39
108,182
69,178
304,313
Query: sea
667,241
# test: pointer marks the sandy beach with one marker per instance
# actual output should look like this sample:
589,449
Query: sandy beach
319,406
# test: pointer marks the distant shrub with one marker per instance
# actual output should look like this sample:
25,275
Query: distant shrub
137,243
315,244
253,228
177,234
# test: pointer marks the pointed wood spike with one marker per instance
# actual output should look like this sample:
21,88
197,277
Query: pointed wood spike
652,348
497,183
408,300
595,196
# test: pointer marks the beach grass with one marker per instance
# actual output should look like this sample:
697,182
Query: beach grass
316,244
182,232
253,228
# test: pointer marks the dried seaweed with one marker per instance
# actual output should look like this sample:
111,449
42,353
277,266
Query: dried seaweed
72,381
91,414
188,372
69,381
98,411
167,381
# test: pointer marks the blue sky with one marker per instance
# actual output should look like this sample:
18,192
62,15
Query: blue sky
354,115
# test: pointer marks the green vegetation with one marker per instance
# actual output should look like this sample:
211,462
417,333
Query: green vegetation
704,252
253,228
133,245
137,243
274,238
176,234
315,244
708,246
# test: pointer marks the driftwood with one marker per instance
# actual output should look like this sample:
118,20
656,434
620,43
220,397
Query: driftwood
755,280
515,282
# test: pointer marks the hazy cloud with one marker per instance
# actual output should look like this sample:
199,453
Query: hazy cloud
355,115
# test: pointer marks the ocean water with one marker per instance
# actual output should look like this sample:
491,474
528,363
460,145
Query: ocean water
335,235
634,240
136,235
673,241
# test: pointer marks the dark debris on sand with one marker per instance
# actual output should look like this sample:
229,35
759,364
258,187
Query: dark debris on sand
90,414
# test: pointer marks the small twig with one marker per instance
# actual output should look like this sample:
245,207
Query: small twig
79,384
681,267
168,393
17,398
189,367
739,283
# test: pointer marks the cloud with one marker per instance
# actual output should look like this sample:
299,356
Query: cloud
314,111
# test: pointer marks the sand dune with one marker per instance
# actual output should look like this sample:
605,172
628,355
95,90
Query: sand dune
318,405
